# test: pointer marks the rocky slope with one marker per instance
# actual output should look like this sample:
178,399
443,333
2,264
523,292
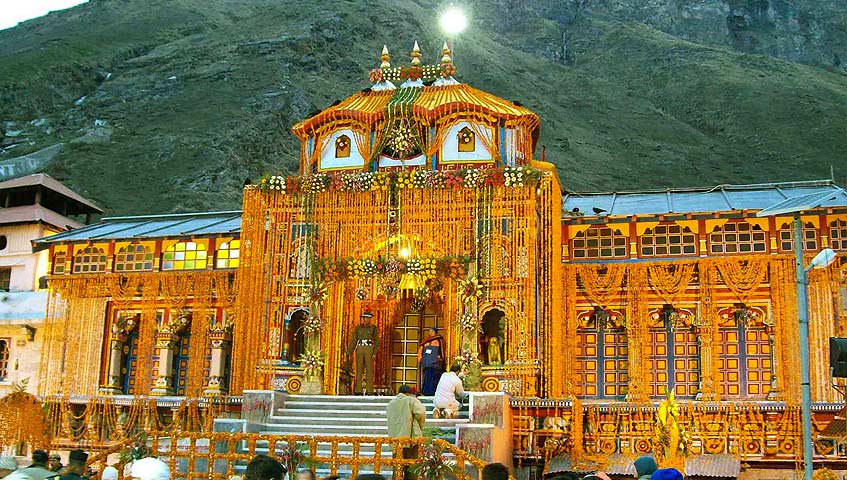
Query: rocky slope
167,105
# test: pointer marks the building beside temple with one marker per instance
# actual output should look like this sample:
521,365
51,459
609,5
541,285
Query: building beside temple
421,200
31,207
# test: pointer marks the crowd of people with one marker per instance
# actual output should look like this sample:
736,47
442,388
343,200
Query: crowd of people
51,468
645,469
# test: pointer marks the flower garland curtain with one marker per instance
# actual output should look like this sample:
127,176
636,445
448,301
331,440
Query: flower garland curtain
744,275
637,334
823,308
602,287
669,280
486,134
708,334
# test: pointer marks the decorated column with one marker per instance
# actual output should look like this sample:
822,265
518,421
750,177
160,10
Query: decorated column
166,342
219,341
120,334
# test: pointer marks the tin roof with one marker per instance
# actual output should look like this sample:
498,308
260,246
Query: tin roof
150,226
721,198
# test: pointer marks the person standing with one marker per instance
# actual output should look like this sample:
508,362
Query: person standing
431,361
447,393
406,417
55,462
76,466
644,467
365,344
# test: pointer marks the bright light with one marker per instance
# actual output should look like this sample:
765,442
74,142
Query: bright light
405,252
453,20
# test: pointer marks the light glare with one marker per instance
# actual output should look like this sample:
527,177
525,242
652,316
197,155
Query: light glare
453,20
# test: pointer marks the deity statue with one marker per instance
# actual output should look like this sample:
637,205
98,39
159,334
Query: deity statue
494,351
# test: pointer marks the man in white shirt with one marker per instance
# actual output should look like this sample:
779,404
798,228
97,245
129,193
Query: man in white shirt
447,392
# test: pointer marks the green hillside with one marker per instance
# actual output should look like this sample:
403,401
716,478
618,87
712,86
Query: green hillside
196,95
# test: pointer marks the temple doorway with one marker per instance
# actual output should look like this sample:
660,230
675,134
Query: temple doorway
404,349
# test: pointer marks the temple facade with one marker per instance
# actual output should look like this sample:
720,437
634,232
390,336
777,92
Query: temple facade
422,201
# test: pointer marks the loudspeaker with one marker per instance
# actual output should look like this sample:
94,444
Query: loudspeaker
838,357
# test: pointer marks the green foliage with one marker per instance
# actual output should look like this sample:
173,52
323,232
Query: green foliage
202,93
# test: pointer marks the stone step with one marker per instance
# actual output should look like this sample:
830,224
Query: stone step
354,420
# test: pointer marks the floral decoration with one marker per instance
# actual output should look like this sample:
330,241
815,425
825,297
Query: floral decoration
361,294
384,179
317,293
312,362
471,289
411,72
376,75
331,269
293,456
312,324
448,70
432,464
468,322
467,359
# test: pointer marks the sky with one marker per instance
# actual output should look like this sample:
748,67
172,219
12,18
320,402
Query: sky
14,11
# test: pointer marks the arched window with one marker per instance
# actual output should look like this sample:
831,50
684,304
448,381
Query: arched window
59,260
185,255
493,339
134,258
229,254
90,260
295,339
601,357
342,146
599,242
4,358
666,240
838,234
466,140
738,237
786,237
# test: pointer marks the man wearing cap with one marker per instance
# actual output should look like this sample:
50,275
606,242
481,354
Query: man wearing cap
365,343
38,469
76,466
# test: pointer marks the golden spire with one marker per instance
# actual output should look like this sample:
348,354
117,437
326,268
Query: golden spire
385,57
445,52
416,54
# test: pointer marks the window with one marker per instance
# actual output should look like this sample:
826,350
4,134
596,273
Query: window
674,356
4,358
228,254
745,356
601,360
668,240
59,260
134,258
90,260
738,237
5,279
786,237
838,234
599,242
342,146
184,256
466,140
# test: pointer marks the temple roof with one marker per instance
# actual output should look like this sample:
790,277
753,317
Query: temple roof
720,198
432,104
81,204
189,225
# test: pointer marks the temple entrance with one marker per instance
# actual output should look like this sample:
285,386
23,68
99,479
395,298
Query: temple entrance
404,349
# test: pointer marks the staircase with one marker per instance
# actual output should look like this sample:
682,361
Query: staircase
353,416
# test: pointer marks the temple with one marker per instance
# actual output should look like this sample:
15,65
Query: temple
422,200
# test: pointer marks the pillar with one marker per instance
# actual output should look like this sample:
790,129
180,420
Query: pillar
165,344
219,342
114,375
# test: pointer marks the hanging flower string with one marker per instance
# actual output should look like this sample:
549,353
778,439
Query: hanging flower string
331,269
469,323
381,180
470,289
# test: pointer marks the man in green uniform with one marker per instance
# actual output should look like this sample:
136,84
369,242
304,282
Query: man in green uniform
365,343
76,466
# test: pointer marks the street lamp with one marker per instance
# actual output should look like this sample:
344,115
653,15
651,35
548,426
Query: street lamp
795,205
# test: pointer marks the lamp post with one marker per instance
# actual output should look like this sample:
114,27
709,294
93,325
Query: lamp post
826,256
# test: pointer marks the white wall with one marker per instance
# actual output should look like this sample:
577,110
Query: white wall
328,160
26,266
450,148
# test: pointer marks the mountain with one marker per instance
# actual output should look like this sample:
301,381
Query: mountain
168,105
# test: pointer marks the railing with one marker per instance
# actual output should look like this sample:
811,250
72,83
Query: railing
222,455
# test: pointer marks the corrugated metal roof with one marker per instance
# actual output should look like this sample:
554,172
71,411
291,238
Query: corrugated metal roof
720,465
49,182
721,198
152,226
